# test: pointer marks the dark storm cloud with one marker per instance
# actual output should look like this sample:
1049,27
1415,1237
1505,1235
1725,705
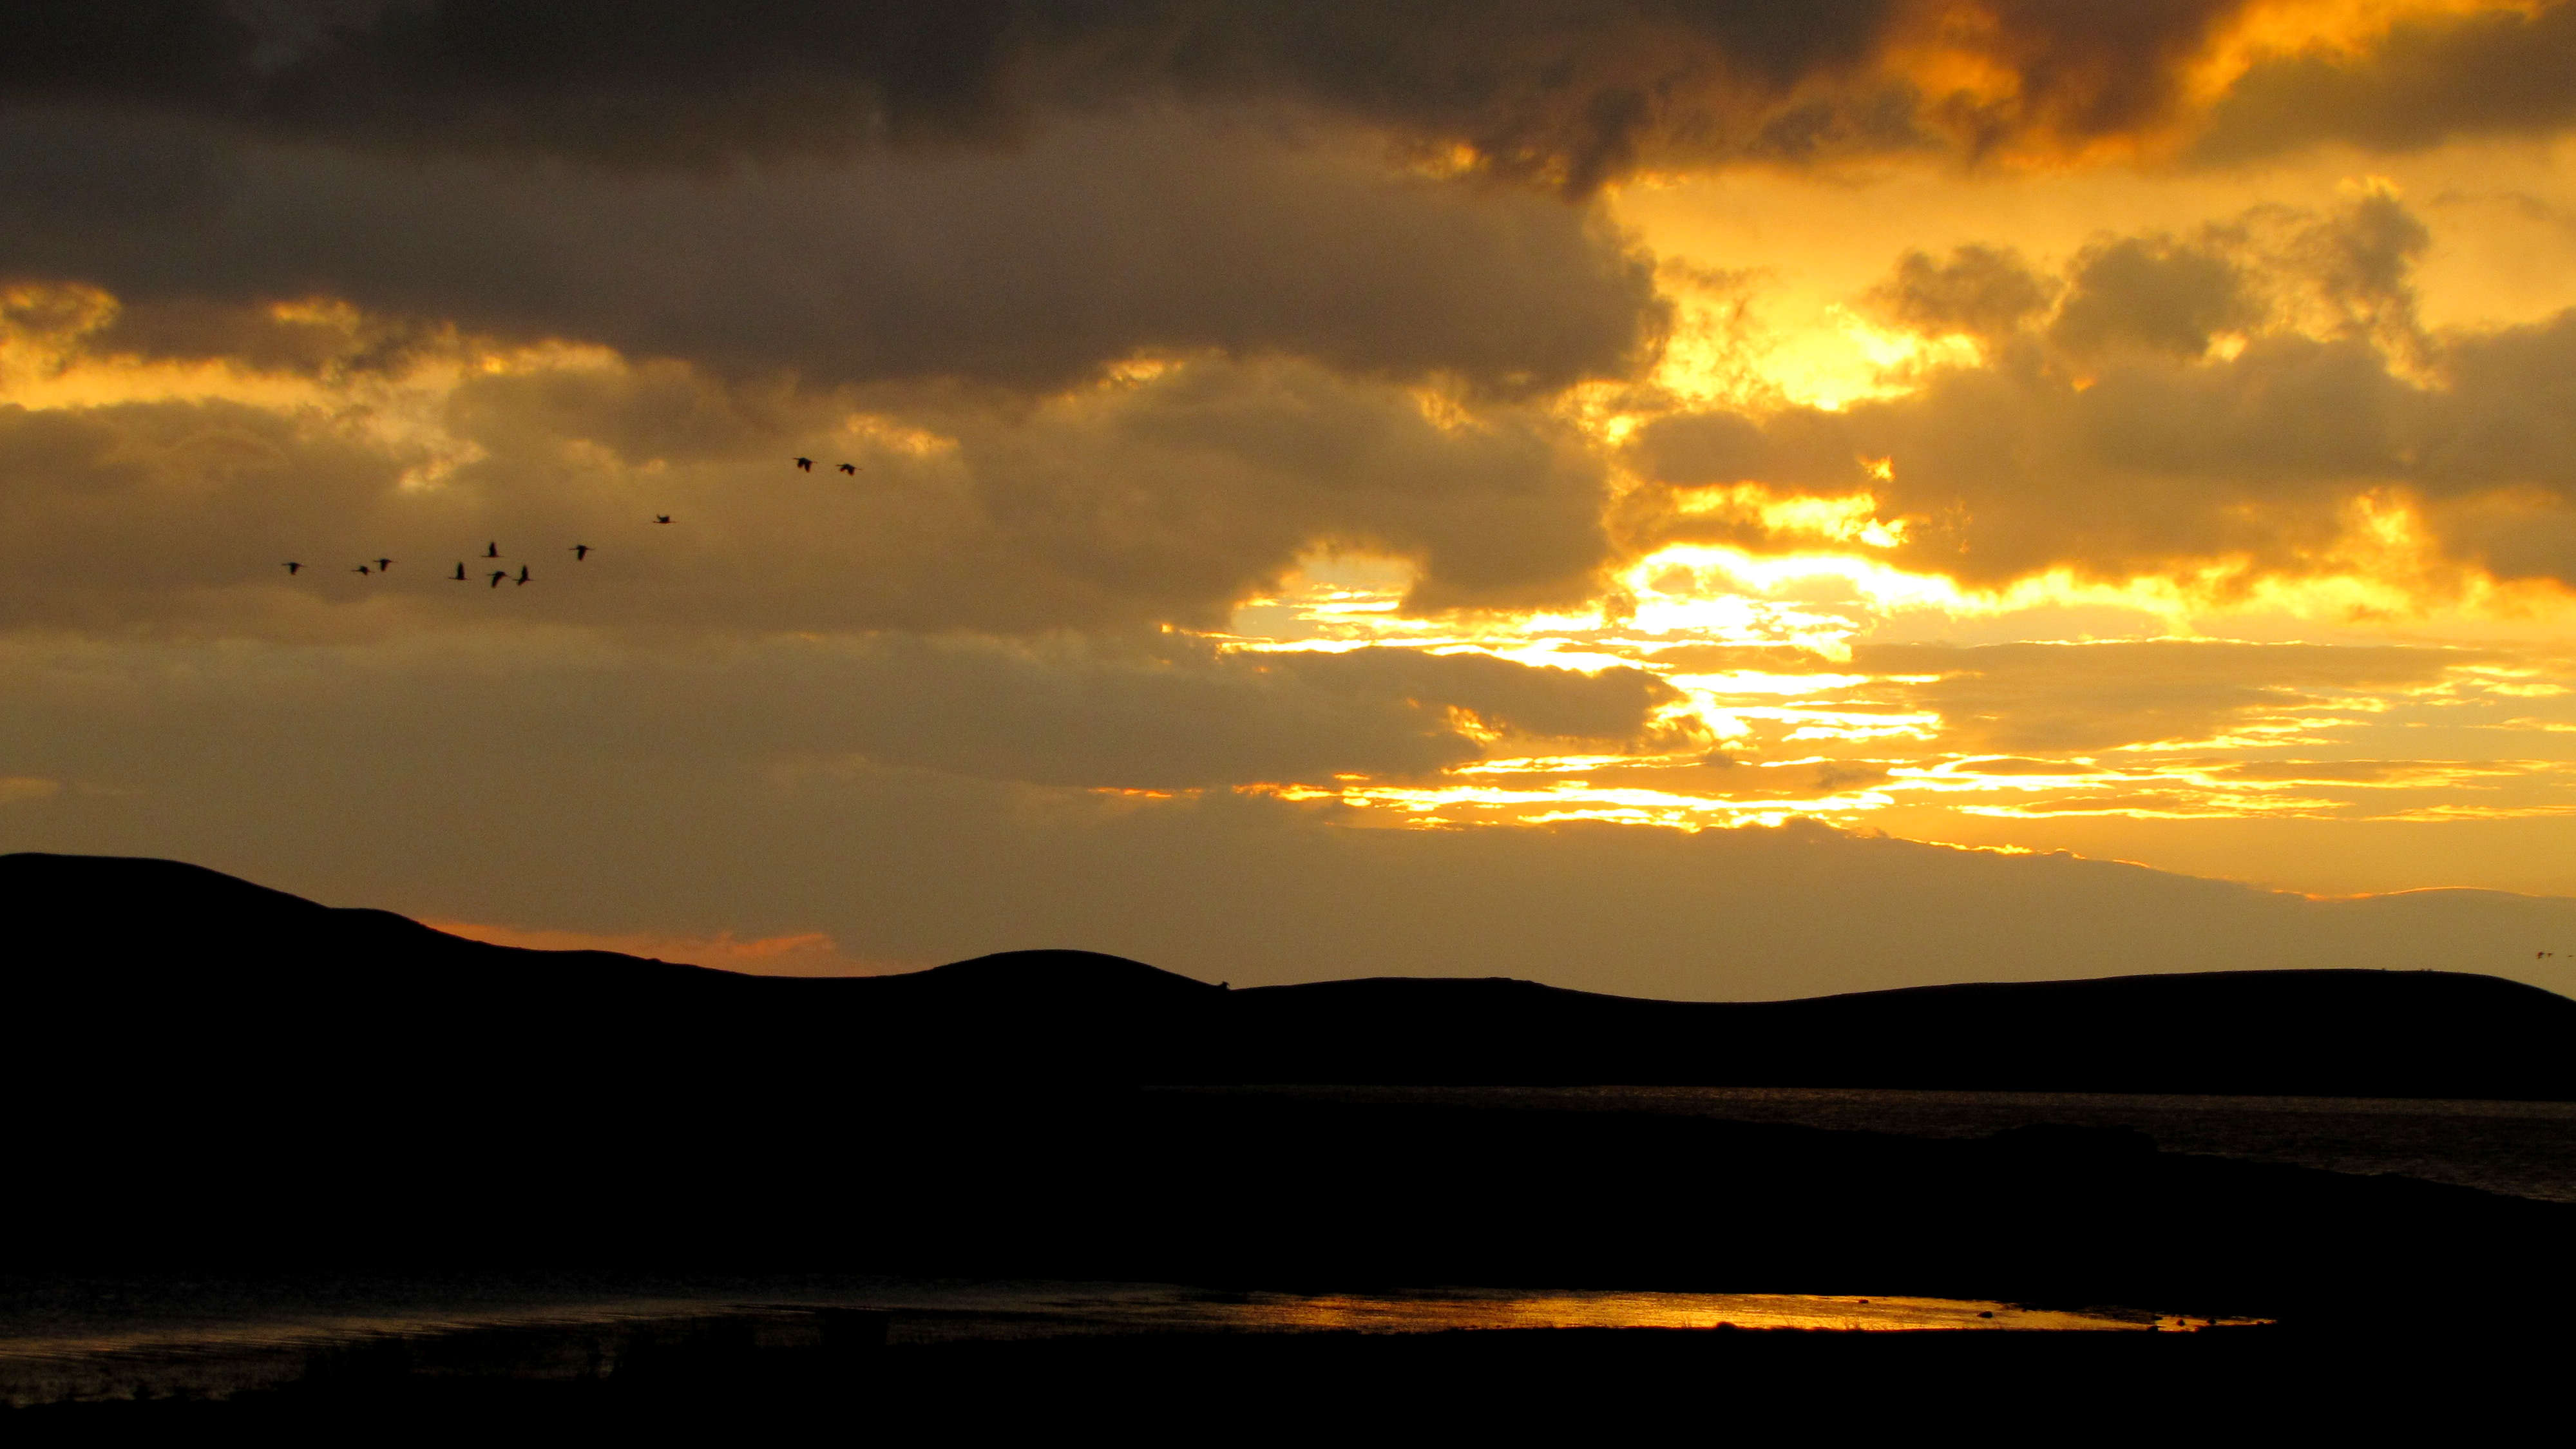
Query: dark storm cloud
658,79
739,186
333,343
1568,92
1562,91
2109,437
1574,91
2434,79
1031,267
2084,71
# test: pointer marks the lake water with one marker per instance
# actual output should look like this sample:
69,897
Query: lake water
2523,1149
91,1340
99,1341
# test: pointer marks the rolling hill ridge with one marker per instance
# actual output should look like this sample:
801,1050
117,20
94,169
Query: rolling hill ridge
168,967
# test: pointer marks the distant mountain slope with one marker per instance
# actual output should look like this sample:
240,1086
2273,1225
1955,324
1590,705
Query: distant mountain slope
167,970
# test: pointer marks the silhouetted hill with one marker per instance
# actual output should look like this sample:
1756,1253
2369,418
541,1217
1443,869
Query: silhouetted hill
181,964
2355,1033
1058,987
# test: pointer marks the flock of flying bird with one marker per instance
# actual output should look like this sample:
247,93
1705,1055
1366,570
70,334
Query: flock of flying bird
579,551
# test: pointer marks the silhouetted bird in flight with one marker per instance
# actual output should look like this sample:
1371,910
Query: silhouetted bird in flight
292,569
580,551
850,468
805,465
661,518
460,571
523,574
362,569
491,550
384,565
498,575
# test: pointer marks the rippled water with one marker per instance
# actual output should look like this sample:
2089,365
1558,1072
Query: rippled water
2524,1149
207,1342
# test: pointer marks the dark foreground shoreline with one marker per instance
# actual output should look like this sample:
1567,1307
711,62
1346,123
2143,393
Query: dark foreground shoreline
2386,1292
1226,1190
838,1372
240,1085
1278,1192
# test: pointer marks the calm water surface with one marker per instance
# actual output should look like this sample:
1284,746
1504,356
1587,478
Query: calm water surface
114,1341
110,1340
2524,1149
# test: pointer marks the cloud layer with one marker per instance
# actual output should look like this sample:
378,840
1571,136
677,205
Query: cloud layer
2429,80
2228,401
1163,500
1033,268
1565,92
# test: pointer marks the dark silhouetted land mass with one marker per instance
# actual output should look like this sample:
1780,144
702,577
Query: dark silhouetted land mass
200,963
236,1080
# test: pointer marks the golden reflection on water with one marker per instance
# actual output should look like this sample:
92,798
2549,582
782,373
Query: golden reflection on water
1422,1314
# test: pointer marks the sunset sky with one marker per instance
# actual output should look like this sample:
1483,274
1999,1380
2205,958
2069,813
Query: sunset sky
1681,497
